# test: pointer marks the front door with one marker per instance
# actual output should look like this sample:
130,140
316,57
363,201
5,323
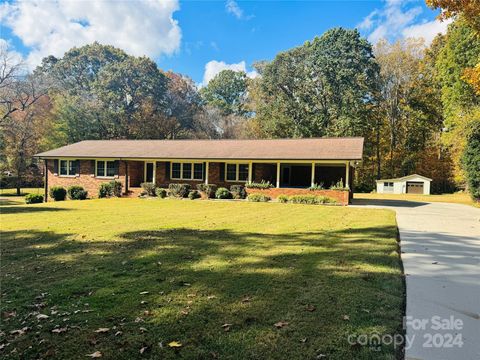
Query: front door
149,172
285,175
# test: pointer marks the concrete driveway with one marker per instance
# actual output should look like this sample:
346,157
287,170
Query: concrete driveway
440,246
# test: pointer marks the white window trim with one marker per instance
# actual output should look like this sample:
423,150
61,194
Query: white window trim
68,175
181,170
154,171
105,169
237,171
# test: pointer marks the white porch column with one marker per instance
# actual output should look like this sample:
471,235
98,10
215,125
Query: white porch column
278,174
313,174
250,169
347,174
206,172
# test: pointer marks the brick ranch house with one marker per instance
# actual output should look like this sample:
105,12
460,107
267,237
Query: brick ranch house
291,165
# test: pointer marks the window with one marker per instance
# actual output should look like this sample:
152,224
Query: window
388,186
186,171
68,167
105,168
236,172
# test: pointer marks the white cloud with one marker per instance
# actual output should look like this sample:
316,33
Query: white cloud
212,68
428,30
53,27
232,7
396,20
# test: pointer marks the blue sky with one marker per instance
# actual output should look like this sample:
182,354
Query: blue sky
200,38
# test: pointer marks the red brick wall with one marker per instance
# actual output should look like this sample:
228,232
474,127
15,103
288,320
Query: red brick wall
86,178
342,197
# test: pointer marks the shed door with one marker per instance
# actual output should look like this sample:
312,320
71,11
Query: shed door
414,187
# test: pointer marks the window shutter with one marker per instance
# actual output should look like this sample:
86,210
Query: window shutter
204,170
117,164
55,167
92,168
222,171
167,170
77,167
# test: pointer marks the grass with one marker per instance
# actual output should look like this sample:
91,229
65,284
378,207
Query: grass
456,198
326,271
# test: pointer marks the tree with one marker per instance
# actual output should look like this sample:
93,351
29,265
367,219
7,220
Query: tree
469,9
324,87
227,91
471,158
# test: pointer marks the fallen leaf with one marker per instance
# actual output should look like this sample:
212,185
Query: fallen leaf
142,329
184,312
226,327
42,317
366,310
102,330
303,341
143,302
246,299
96,354
280,324
175,344
346,317
143,349
118,333
138,319
9,314
210,297
310,308
144,293
59,330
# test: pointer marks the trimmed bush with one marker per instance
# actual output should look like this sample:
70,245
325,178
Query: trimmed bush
282,198
194,194
76,192
112,188
208,189
311,199
258,198
161,193
179,190
58,193
238,191
223,193
259,185
33,198
318,186
149,188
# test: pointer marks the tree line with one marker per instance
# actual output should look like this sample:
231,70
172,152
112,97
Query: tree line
417,106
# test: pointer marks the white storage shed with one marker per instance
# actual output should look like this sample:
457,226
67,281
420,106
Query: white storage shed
411,184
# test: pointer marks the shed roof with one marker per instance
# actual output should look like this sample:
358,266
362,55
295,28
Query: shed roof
278,149
404,178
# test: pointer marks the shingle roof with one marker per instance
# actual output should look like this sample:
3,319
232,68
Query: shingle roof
280,149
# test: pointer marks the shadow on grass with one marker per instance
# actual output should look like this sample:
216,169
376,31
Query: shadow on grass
388,203
197,281
23,208
8,202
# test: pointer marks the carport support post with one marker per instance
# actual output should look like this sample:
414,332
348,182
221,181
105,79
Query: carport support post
250,165
347,174
313,175
278,174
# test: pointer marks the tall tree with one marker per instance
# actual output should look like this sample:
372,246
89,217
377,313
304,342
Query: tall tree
227,91
324,87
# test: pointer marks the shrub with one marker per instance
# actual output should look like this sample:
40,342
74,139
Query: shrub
282,198
311,199
112,188
58,193
207,189
338,186
179,190
238,191
33,198
471,160
223,193
258,198
261,185
76,192
318,186
194,194
149,188
161,193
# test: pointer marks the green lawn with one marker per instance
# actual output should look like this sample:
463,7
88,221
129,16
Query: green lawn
219,275
457,198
